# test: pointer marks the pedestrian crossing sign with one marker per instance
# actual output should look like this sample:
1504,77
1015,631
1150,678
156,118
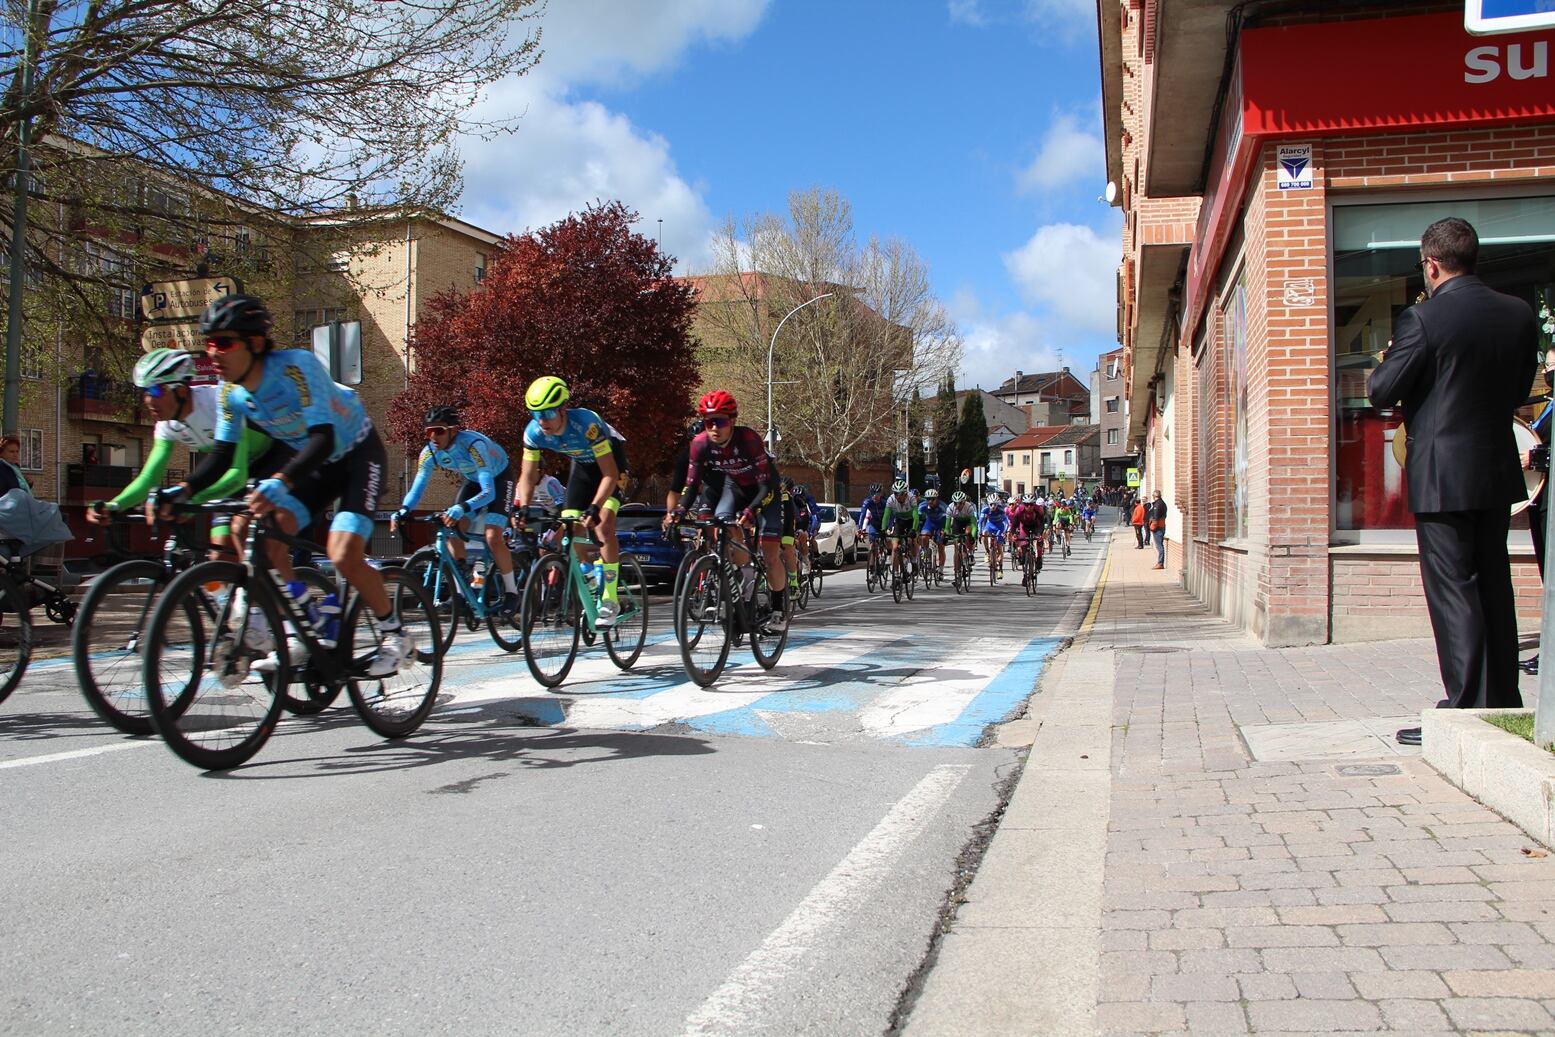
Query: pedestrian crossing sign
1132,478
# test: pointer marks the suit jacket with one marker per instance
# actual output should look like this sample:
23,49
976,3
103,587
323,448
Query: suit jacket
1461,363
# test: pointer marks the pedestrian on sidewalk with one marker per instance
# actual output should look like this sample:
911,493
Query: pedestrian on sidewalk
1460,363
1155,516
1139,525
1538,460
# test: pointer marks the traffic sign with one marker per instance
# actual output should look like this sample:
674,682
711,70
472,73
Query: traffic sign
1489,17
1133,477
182,300
183,335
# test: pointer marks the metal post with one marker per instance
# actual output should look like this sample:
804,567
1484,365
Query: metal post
772,346
1544,710
13,313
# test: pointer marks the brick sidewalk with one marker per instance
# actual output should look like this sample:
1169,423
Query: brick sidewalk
1314,893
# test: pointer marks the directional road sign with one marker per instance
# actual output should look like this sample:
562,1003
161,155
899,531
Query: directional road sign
183,300
185,335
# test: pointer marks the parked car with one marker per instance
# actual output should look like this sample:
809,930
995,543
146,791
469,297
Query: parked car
838,535
639,529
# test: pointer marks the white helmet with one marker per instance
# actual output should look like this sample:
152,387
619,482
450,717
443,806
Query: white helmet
163,367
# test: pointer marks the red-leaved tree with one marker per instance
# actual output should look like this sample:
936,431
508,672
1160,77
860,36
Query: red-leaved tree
585,299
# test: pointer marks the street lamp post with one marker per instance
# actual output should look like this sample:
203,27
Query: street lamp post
771,436
906,402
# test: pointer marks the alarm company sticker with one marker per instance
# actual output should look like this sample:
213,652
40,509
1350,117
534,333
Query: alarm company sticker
1295,162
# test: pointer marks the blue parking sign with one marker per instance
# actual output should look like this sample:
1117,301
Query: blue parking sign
1487,17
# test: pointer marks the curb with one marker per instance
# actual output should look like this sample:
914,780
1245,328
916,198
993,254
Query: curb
1510,776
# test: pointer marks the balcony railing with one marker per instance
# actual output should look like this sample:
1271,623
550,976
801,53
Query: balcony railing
98,398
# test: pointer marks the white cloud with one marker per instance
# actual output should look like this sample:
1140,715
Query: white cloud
1067,154
568,153
968,12
1069,17
1072,270
995,346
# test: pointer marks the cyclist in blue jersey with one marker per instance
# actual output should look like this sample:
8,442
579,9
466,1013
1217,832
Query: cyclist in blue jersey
598,454
487,490
288,394
931,523
870,515
993,524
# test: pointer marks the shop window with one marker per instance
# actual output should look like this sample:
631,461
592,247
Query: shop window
1376,277
1235,318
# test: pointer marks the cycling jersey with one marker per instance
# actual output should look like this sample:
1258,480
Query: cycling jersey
197,431
994,520
869,514
743,460
899,513
476,457
586,437
295,394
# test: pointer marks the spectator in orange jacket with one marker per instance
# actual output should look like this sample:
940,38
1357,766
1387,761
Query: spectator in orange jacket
1139,524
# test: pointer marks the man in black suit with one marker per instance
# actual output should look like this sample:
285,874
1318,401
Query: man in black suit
1461,363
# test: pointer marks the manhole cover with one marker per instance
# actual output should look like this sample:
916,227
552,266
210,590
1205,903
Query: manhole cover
1366,770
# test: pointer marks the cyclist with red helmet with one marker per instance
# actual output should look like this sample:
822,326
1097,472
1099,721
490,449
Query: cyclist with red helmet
750,486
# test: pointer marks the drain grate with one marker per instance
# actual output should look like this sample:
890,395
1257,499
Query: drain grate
1150,649
1367,770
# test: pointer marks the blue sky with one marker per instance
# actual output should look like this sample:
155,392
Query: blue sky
968,128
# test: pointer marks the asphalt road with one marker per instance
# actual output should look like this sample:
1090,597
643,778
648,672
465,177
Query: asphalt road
626,855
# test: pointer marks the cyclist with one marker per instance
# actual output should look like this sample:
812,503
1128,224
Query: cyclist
594,484
900,523
751,489
807,519
931,525
488,489
994,523
961,524
796,523
1026,526
1064,517
1088,517
186,415
870,514
339,457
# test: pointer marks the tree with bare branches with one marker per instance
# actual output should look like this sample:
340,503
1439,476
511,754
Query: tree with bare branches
250,137
842,367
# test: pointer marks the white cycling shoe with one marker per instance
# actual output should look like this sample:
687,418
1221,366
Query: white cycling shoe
392,652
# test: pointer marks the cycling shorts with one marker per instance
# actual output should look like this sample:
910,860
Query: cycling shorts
583,482
901,527
497,511
736,498
354,480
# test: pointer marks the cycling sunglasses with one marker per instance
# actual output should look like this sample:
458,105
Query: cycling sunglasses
438,430
156,392
222,343
548,414
717,422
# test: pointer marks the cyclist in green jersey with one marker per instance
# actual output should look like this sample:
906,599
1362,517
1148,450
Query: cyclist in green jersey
900,522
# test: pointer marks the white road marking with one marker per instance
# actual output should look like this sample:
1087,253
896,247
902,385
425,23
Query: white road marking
735,1007
76,754
937,694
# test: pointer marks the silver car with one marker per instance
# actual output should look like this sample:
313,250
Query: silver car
837,538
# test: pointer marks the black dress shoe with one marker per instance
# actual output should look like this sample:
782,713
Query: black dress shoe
1444,704
1529,665
1408,736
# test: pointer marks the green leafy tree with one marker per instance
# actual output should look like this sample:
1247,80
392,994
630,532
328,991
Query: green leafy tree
972,435
945,422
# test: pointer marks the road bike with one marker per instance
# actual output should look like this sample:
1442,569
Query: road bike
215,709
106,643
928,564
459,602
1030,565
720,603
961,580
561,601
901,573
876,570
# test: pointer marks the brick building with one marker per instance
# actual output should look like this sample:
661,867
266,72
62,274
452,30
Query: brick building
1109,406
1048,398
1276,165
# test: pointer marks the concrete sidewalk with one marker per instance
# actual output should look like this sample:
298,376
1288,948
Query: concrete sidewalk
1219,838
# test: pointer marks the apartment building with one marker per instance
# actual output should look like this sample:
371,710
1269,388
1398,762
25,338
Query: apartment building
1276,165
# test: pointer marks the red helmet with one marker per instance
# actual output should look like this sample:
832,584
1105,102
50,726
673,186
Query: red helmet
717,402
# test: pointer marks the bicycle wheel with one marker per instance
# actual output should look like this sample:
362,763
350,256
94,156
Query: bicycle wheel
704,618
766,644
395,705
1029,569
869,574
799,584
551,615
305,693
15,636
908,579
507,631
993,569
443,589
210,708
817,578
106,643
625,640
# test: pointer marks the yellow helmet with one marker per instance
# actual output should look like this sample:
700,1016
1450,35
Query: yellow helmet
546,393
